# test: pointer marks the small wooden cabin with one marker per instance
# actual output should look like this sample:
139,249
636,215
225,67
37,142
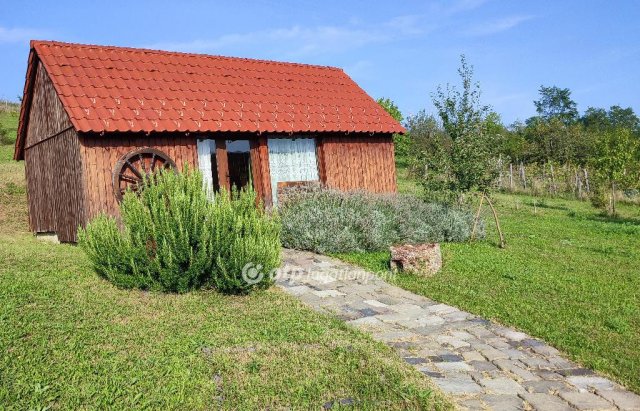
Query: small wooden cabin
94,119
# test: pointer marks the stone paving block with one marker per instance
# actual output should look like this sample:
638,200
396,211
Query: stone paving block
625,400
388,300
365,322
491,354
586,401
483,366
415,360
462,335
473,356
376,303
500,402
498,344
394,336
458,316
407,308
514,368
548,375
546,387
471,404
328,293
453,366
480,332
584,382
452,341
502,386
430,320
458,385
441,309
546,402
537,363
545,350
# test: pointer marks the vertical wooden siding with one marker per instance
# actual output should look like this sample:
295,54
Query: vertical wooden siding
100,154
47,116
355,162
53,165
55,187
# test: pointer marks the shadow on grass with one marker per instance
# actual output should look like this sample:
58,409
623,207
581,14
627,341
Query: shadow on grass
604,218
543,204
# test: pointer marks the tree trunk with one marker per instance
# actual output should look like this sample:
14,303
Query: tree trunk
613,197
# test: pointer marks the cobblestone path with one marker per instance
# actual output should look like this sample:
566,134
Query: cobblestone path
482,365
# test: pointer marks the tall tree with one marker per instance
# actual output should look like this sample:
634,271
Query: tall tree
614,157
401,142
469,163
556,102
624,118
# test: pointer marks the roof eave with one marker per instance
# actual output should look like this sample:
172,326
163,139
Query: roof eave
27,95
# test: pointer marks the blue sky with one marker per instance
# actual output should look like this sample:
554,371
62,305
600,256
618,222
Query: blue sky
401,50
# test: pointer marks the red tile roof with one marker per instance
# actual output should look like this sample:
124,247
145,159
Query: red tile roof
109,89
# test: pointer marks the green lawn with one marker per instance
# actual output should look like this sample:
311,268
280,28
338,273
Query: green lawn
70,340
568,275
9,121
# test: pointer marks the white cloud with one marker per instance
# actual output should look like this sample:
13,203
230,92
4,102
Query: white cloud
18,35
291,41
497,26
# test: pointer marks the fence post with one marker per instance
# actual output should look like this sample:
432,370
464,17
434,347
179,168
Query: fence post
511,176
586,180
523,175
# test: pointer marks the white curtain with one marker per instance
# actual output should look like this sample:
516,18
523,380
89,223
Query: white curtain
205,149
291,160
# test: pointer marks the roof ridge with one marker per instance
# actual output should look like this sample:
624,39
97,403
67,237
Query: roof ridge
181,53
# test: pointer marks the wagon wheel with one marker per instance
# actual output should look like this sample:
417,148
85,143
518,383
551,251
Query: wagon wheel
132,169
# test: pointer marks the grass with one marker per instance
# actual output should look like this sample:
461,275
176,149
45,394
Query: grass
9,122
70,340
568,275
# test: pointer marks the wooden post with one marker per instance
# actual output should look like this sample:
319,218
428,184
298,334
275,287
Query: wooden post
553,180
260,170
578,184
523,175
511,176
495,217
586,180
223,164
475,220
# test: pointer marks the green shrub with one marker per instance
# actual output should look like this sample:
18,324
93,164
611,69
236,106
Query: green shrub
173,238
328,221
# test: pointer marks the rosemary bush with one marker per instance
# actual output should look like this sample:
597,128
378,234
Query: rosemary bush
329,221
173,238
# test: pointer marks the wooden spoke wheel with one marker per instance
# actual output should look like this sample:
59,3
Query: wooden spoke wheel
135,167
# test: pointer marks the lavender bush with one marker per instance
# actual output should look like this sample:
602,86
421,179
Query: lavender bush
327,221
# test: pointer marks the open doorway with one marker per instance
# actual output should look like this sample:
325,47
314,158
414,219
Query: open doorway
238,153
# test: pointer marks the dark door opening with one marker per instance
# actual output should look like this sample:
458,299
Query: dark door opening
239,157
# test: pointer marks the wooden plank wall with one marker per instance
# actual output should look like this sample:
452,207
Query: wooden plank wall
356,161
100,154
55,186
53,165
47,116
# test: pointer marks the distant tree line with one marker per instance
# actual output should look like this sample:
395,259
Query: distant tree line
465,147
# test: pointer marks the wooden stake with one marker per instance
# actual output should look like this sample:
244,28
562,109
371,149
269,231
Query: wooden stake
495,217
511,176
475,220
586,180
